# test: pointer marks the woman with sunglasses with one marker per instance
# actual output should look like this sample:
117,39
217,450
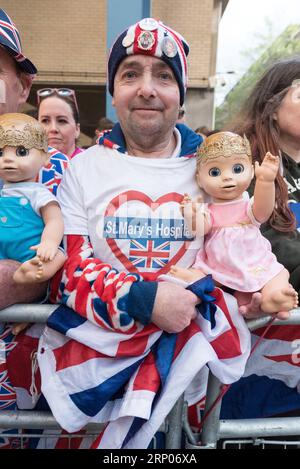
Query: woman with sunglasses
58,113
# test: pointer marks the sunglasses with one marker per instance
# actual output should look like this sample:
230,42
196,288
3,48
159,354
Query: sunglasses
63,92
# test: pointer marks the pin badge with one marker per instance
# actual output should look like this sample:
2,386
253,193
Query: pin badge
146,40
128,40
169,47
148,24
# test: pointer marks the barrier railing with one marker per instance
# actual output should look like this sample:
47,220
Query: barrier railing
215,429
31,420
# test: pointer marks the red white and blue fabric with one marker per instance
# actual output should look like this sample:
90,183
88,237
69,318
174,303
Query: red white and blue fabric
271,382
51,174
132,380
10,39
99,364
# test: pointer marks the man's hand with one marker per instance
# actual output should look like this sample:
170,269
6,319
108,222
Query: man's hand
174,307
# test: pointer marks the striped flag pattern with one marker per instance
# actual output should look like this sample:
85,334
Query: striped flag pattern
132,381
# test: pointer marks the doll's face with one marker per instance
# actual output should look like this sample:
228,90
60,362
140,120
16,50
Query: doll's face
225,178
21,164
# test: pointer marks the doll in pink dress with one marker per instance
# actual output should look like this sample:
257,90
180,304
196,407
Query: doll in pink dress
234,251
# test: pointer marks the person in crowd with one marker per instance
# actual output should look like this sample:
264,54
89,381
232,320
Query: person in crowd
59,115
123,226
230,224
148,90
181,115
16,76
271,122
203,130
103,124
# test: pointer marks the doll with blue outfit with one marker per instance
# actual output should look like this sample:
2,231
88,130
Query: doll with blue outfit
31,224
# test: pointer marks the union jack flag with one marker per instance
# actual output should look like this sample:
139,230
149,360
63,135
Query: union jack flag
51,174
8,396
151,254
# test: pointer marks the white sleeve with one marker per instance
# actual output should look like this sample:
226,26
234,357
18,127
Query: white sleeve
70,198
40,197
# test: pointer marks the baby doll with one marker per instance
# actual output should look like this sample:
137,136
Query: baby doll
234,250
30,217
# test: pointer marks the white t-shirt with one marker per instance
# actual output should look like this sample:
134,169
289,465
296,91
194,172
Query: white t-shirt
38,195
129,207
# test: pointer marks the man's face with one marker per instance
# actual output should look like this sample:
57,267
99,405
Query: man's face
14,87
146,98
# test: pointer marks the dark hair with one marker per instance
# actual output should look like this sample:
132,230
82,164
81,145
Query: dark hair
68,100
202,130
258,124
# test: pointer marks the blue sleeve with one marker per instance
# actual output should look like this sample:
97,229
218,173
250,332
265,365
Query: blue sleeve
141,301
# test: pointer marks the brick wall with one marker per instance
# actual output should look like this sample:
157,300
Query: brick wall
194,20
66,40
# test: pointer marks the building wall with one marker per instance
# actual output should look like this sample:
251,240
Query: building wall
198,22
193,19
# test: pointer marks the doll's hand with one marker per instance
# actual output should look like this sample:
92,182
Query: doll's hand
268,169
46,250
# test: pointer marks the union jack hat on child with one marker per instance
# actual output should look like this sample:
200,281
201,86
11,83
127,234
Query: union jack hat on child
151,37
11,41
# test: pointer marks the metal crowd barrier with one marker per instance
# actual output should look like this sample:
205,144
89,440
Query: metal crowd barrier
236,431
38,420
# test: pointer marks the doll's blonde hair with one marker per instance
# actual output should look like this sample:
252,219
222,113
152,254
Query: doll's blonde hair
22,130
223,144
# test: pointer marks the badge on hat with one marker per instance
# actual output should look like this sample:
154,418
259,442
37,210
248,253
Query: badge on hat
146,40
169,46
148,24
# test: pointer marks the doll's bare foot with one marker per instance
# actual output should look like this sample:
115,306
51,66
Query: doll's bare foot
29,272
188,275
252,309
281,300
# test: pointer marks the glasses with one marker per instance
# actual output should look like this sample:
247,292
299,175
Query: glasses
63,92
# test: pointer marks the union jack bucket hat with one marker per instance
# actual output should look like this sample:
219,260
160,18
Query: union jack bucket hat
11,41
151,37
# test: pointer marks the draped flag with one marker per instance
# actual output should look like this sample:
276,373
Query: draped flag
132,381
278,354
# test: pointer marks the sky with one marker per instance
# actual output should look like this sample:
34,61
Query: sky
242,21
